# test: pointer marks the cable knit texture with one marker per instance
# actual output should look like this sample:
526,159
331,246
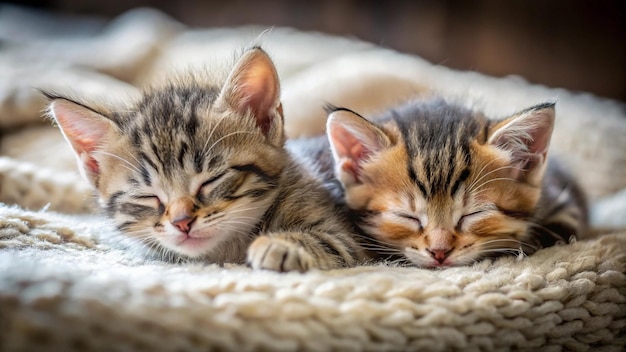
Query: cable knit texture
67,284
61,287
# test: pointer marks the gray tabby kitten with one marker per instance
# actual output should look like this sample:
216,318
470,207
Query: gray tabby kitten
199,170
440,185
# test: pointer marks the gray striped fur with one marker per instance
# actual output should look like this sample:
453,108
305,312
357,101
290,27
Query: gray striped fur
197,170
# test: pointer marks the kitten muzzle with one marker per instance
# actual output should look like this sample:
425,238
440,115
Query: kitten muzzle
181,214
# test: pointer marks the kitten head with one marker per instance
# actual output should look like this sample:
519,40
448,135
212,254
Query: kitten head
441,184
190,168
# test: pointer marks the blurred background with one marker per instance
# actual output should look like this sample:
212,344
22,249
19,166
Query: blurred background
574,44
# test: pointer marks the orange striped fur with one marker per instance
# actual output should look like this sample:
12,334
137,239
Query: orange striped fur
438,185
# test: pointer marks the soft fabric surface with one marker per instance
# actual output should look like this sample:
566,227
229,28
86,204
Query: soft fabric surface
65,289
66,282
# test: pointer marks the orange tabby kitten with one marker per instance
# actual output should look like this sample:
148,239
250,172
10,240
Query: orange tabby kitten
441,185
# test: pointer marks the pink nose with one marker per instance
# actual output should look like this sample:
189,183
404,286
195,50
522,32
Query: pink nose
181,213
440,254
183,223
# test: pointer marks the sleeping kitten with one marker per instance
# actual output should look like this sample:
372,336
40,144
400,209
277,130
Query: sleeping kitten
441,185
199,170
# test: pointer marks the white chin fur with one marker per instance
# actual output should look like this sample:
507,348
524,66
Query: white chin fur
191,247
418,258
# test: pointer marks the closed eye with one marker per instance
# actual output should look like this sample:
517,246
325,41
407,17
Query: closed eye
212,180
472,213
148,200
410,217
253,169
467,216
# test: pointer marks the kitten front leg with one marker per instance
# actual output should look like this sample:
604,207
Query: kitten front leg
294,251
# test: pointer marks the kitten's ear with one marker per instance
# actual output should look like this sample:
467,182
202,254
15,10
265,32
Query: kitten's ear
253,86
85,130
526,136
353,140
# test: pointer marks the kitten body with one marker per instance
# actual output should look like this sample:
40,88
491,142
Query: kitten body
199,170
441,185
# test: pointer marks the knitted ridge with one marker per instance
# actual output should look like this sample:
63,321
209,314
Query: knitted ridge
64,288
35,187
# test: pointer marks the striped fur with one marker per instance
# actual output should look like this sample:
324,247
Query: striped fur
198,170
441,185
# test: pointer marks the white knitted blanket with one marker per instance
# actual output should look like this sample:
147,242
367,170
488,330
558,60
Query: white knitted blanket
66,282
61,287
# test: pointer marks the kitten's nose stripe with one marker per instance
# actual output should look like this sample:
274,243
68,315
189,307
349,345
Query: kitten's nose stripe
181,214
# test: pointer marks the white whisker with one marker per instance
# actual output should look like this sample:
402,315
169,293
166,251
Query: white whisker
226,136
132,167
472,186
204,150
493,180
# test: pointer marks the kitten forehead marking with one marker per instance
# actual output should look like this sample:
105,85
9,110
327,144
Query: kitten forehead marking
437,139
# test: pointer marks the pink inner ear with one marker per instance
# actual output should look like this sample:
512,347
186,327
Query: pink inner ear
527,138
540,140
92,166
85,138
84,129
254,87
258,95
349,149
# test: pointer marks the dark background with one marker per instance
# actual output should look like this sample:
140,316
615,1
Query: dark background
575,44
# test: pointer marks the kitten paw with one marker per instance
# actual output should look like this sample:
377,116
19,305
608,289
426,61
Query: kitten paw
278,255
